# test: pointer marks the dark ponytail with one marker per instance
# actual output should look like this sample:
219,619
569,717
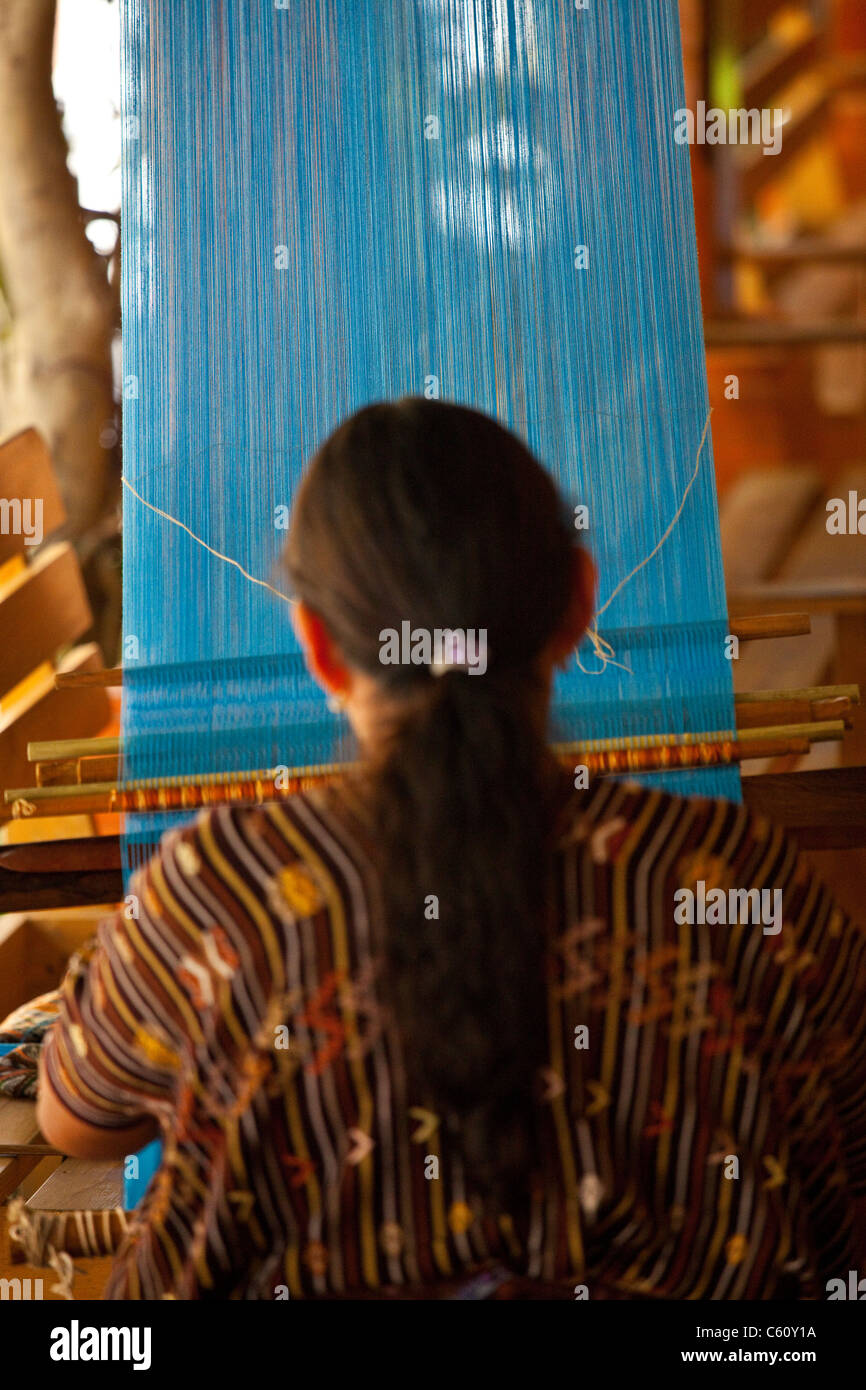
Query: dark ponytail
433,514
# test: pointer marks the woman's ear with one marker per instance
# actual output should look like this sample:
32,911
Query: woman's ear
580,608
323,658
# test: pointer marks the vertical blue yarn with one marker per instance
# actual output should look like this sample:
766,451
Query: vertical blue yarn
408,259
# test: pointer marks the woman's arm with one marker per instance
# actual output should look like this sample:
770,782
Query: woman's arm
78,1139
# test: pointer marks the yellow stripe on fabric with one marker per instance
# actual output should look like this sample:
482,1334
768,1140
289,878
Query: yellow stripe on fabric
721,1229
202,1270
438,1218
156,1229
247,898
231,1129
630,1189
69,1063
817,895
292,1266
621,917
342,959
786,1234
673,1080
176,915
733,1074
788,973
181,1001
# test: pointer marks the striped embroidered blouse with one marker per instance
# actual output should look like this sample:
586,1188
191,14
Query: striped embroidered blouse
703,1111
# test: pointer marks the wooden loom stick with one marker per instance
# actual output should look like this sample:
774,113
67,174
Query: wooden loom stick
64,772
255,788
74,680
747,628
823,809
806,692
45,750
816,731
751,629
57,749
798,711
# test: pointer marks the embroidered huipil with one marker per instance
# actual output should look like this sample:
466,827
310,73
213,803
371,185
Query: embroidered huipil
703,1107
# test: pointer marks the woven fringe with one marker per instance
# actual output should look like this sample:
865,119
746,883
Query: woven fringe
54,1238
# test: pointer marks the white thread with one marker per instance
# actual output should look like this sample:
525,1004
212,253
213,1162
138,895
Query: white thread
218,553
61,1262
601,647
600,643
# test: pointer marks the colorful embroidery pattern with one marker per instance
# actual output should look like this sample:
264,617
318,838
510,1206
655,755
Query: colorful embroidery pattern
22,1033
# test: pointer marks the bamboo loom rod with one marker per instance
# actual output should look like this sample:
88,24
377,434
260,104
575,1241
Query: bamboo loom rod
817,731
806,692
165,794
55,749
45,750
749,713
748,628
64,772
797,711
744,627
751,629
72,680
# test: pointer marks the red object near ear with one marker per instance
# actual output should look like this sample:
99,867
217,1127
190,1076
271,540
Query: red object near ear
320,653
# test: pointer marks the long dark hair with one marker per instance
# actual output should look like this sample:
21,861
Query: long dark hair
432,513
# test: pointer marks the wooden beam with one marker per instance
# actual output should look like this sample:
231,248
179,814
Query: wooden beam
806,250
823,810
60,873
806,692
182,792
826,810
726,333
64,772
762,625
74,680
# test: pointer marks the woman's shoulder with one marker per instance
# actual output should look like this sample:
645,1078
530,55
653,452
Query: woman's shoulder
614,820
309,844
